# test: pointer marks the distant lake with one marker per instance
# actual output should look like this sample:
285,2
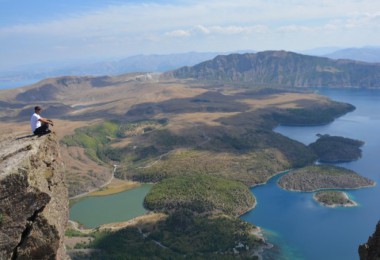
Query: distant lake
297,225
17,84
95,211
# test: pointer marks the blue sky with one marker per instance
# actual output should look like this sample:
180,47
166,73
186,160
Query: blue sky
62,30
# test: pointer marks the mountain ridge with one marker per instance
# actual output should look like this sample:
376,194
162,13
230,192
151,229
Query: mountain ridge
366,54
284,69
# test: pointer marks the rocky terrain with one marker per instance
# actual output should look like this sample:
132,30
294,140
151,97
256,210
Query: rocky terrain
284,69
33,203
371,249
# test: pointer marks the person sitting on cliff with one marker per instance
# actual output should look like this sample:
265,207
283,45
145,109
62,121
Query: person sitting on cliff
39,125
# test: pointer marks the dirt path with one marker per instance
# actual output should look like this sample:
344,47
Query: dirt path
95,189
156,242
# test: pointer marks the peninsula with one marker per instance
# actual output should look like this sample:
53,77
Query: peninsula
333,149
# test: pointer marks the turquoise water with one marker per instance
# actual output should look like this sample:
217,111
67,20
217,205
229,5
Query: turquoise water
297,225
95,211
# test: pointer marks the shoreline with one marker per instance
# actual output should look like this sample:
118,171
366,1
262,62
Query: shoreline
270,177
258,232
327,189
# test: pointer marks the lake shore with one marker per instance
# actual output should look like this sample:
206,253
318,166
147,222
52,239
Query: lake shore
114,187
326,189
258,232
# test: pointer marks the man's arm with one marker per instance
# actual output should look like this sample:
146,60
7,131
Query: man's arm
45,120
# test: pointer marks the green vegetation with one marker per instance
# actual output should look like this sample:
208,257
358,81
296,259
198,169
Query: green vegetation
210,236
75,233
319,177
251,157
97,139
94,139
337,149
251,168
1,218
333,198
200,193
182,235
128,243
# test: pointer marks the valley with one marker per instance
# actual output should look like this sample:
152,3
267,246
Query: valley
203,143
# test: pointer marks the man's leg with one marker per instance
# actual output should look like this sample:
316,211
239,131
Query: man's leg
43,129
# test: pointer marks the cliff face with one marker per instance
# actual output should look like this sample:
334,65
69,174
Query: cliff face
33,198
371,250
285,69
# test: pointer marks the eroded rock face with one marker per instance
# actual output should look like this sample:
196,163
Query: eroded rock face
33,198
371,250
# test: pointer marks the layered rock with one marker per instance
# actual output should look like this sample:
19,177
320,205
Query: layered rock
371,250
33,198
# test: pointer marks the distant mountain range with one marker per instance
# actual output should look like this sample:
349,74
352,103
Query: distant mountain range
285,69
138,63
153,63
367,54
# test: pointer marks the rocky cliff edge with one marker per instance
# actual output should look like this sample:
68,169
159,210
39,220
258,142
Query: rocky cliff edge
33,198
371,250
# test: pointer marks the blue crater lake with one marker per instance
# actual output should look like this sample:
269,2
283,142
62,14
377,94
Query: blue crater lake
98,210
297,226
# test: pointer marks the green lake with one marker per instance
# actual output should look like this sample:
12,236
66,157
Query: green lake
95,211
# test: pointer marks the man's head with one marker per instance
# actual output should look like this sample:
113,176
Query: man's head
37,109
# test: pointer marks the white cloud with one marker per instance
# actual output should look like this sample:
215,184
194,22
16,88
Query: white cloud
202,29
200,25
294,29
178,33
240,29
218,30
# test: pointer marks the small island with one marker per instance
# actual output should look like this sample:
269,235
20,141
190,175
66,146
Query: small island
320,177
333,149
334,199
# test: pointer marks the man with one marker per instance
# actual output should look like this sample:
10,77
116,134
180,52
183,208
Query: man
39,125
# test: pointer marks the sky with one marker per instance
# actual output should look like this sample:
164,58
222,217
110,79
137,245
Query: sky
41,31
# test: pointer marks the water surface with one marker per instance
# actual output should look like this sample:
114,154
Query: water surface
17,84
298,226
95,211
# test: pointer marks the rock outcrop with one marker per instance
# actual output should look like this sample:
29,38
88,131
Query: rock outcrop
371,250
33,198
